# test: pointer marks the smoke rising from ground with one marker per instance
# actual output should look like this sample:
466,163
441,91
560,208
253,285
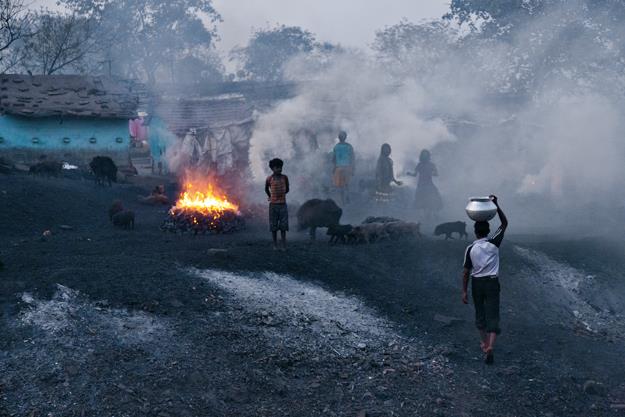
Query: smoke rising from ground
535,118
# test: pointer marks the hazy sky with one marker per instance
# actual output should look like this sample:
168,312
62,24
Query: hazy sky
349,22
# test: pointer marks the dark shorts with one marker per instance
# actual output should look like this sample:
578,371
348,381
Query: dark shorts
485,293
278,217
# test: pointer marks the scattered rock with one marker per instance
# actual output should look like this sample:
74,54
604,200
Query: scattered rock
446,320
214,251
594,388
176,303
510,370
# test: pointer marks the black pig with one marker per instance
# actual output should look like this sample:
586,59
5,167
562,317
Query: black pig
318,213
339,233
454,227
47,169
104,169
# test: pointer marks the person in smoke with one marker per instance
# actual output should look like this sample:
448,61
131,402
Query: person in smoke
343,161
276,188
384,174
481,266
427,197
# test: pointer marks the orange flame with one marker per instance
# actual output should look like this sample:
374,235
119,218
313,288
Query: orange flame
202,196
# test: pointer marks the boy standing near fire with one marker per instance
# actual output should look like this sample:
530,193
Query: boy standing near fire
481,266
343,160
276,188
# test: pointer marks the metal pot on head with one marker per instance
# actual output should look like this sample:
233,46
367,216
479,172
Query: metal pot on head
481,209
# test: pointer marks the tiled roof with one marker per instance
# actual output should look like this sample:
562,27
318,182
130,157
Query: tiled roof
70,95
180,115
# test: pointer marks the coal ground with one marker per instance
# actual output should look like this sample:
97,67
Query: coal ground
98,321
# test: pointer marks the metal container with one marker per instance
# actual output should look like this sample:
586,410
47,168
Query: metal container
481,209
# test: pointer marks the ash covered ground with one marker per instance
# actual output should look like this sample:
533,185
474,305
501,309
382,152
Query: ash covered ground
98,321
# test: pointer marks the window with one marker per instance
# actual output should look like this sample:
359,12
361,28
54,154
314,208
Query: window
66,140
92,140
119,140
35,140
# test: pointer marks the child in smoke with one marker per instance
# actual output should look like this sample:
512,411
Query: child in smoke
384,174
276,188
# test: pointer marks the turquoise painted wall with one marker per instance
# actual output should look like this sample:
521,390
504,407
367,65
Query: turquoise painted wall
18,133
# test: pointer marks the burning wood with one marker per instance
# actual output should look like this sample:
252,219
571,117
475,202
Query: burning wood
202,209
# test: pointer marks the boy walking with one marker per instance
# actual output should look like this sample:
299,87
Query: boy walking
481,265
276,188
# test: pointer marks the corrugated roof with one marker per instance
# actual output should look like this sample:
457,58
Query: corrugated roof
70,95
180,115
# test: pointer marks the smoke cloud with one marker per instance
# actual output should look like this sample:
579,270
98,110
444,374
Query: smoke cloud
535,118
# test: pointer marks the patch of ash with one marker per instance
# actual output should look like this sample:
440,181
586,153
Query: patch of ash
73,349
565,283
68,312
304,313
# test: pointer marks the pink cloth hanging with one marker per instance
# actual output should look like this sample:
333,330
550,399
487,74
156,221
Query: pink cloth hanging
137,129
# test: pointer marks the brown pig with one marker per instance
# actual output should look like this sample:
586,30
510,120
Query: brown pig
124,219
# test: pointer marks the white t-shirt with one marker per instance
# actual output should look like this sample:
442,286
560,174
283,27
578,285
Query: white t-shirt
482,256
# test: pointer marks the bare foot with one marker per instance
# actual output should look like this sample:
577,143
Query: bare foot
484,346
490,358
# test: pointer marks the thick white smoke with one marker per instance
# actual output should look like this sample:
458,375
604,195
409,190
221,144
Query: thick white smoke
351,95
537,118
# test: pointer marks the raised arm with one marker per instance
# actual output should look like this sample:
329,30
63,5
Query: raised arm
500,213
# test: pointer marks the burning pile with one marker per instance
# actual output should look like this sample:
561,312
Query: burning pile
202,209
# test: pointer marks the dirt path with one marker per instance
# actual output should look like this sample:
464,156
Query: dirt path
103,322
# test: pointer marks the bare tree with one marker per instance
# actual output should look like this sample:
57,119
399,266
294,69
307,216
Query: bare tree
15,28
62,43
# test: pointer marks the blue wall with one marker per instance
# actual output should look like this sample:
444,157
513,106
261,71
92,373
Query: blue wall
18,133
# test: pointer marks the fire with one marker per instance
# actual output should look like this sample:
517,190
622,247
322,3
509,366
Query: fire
204,198
203,208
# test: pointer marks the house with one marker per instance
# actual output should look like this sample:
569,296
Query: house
67,117
211,133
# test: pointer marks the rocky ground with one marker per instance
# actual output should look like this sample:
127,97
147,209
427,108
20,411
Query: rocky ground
105,322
